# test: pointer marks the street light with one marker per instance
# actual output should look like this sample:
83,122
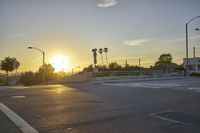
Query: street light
187,42
43,67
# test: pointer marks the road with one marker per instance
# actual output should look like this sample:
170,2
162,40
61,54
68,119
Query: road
158,106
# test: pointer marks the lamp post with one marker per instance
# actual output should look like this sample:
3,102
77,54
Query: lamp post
186,25
43,67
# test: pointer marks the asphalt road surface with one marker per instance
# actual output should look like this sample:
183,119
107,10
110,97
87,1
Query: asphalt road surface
159,106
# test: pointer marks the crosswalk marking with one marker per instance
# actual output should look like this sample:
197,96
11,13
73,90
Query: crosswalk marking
157,85
144,85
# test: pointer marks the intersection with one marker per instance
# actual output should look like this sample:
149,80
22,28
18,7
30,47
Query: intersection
165,106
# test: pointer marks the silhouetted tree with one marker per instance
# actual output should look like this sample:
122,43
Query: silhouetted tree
165,62
8,65
31,78
102,67
106,51
114,66
28,78
100,52
164,59
88,69
132,68
48,70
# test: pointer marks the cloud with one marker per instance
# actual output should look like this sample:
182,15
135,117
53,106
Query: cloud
17,35
107,3
136,42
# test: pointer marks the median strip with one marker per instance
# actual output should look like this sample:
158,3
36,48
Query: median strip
17,120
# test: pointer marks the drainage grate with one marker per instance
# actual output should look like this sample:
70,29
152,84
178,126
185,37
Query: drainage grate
178,117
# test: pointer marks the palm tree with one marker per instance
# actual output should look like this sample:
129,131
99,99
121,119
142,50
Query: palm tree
106,50
95,56
101,51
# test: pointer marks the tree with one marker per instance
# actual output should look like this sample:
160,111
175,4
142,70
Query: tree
131,68
48,71
88,69
8,65
164,59
114,66
28,78
100,52
164,62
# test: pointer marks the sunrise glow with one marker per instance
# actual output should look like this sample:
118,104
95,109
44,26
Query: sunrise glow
60,63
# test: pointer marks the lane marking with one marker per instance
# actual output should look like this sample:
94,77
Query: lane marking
145,85
167,119
132,85
17,120
19,87
18,97
196,89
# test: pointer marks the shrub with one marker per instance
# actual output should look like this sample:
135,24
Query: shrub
27,78
195,74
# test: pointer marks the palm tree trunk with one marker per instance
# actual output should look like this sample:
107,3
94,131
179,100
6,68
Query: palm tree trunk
102,59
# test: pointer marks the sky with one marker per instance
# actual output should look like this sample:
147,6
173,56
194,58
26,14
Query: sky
130,29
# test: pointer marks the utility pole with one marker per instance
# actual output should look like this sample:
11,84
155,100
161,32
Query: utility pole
139,62
43,67
194,52
186,33
126,64
43,62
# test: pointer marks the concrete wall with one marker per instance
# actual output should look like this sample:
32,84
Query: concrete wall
87,76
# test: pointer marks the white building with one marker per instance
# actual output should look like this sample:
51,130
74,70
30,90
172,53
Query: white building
193,64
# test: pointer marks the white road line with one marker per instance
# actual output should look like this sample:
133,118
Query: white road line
193,88
196,89
133,85
17,120
171,120
167,119
161,112
18,97
145,85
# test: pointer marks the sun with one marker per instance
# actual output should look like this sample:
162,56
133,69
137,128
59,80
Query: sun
60,63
